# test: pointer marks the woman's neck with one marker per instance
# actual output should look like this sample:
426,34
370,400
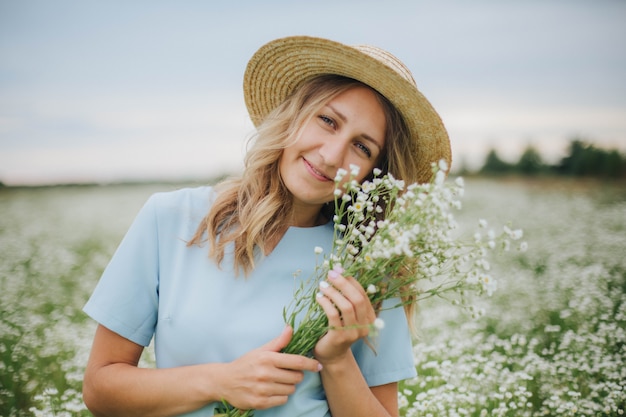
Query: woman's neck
272,241
307,217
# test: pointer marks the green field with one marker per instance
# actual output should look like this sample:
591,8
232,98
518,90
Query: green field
552,340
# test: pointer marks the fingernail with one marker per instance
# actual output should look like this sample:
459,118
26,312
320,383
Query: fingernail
324,284
319,295
333,274
319,367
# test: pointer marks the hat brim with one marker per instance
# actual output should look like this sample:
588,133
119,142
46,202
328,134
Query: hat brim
280,66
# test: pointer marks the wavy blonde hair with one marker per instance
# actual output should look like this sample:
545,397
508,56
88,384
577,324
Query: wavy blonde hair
253,209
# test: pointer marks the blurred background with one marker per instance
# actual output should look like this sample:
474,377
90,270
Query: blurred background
94,91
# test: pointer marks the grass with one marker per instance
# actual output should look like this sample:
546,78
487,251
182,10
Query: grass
552,340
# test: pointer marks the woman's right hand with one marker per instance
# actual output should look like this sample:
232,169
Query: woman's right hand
114,385
264,377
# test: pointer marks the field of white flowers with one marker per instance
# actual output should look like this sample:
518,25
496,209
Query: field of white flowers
551,341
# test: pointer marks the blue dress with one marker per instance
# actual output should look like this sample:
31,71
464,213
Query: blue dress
157,286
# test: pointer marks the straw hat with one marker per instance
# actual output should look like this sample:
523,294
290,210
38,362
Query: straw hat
280,66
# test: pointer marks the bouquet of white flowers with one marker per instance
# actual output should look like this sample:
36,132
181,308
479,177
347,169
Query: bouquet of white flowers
400,242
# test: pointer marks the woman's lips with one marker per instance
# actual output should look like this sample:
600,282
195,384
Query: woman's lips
315,172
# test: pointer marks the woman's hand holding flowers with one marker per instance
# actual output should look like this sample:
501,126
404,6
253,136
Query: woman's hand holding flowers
350,316
263,377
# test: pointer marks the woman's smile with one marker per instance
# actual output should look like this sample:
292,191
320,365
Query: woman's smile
315,172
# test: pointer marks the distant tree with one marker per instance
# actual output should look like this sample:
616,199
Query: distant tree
582,160
495,165
587,160
614,165
572,163
530,163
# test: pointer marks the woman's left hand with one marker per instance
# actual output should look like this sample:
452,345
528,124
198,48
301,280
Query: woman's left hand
350,316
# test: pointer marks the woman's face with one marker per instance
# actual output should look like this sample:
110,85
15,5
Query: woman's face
348,130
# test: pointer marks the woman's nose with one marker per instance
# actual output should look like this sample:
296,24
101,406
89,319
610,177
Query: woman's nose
333,152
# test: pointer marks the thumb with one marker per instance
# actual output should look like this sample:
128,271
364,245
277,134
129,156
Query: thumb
276,344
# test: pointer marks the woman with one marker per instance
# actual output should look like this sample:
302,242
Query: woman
217,320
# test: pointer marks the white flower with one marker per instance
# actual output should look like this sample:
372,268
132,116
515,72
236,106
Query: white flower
443,165
354,170
489,284
340,174
368,186
371,289
377,172
483,263
318,250
482,223
338,192
440,177
379,323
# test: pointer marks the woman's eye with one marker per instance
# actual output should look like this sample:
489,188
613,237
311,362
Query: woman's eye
364,149
327,120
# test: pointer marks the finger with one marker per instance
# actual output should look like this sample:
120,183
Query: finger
354,291
339,300
334,317
353,306
276,344
298,363
349,286
283,378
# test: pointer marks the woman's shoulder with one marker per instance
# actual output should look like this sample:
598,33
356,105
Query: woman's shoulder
194,201
187,194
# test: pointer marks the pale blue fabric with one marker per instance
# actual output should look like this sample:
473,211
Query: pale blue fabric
155,285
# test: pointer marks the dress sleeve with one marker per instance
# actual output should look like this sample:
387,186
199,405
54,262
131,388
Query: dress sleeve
392,357
126,297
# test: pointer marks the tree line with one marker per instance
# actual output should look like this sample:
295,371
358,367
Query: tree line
582,160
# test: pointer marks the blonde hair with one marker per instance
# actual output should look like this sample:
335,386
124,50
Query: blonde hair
252,209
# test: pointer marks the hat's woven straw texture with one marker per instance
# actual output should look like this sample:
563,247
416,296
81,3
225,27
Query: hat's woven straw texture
280,66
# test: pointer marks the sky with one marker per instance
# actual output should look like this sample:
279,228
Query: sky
105,91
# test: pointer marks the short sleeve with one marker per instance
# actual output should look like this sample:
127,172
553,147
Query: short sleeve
126,298
391,359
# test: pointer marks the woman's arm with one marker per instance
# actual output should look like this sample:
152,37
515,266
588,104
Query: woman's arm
348,394
115,386
350,315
